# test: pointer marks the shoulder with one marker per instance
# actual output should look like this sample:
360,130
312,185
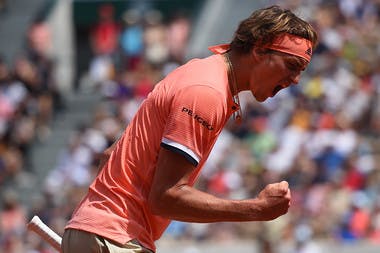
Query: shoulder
196,71
201,102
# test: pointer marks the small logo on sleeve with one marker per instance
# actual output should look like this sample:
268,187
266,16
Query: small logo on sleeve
198,118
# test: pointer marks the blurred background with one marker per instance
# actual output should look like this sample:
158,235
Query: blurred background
73,73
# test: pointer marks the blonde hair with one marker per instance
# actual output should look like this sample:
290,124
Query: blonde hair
264,25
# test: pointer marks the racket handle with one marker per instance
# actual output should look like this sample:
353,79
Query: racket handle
36,225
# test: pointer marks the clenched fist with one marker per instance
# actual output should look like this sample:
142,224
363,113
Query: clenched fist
274,201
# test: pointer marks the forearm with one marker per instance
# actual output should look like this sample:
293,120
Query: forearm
185,203
171,196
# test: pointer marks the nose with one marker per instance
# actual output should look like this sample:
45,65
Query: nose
295,78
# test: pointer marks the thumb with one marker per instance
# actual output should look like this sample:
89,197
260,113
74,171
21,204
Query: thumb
283,187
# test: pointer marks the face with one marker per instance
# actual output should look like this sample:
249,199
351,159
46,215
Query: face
274,72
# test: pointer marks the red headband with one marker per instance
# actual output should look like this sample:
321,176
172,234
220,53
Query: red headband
286,43
292,44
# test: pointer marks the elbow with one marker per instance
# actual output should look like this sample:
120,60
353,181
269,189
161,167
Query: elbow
156,208
107,153
105,156
156,203
162,204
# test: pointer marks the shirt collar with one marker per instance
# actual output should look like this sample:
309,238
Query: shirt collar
219,49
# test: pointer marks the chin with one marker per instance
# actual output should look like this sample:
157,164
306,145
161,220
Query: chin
262,100
259,99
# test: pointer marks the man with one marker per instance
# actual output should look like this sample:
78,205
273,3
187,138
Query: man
147,177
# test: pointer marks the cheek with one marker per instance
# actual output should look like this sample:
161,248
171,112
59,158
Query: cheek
253,82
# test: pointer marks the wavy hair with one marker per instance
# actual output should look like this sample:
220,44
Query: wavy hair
263,25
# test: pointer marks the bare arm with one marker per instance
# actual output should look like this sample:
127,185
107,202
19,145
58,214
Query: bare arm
173,198
106,155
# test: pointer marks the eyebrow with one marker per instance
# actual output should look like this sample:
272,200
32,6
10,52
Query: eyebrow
295,62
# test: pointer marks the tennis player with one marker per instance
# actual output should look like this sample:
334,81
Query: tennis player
148,176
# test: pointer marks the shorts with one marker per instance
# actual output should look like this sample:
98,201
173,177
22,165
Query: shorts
74,241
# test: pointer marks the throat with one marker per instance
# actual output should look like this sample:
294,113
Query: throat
233,87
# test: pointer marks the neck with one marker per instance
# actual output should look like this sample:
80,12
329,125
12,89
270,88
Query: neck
232,80
233,87
241,69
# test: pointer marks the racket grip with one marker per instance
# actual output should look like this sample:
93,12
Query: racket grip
36,225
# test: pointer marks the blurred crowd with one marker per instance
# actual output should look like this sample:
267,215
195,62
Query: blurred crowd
29,101
321,135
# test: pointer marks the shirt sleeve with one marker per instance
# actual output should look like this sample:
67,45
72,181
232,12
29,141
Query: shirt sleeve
197,115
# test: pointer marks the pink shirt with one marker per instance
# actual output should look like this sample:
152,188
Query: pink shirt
185,113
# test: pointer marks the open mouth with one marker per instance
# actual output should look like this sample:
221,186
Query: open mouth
277,89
